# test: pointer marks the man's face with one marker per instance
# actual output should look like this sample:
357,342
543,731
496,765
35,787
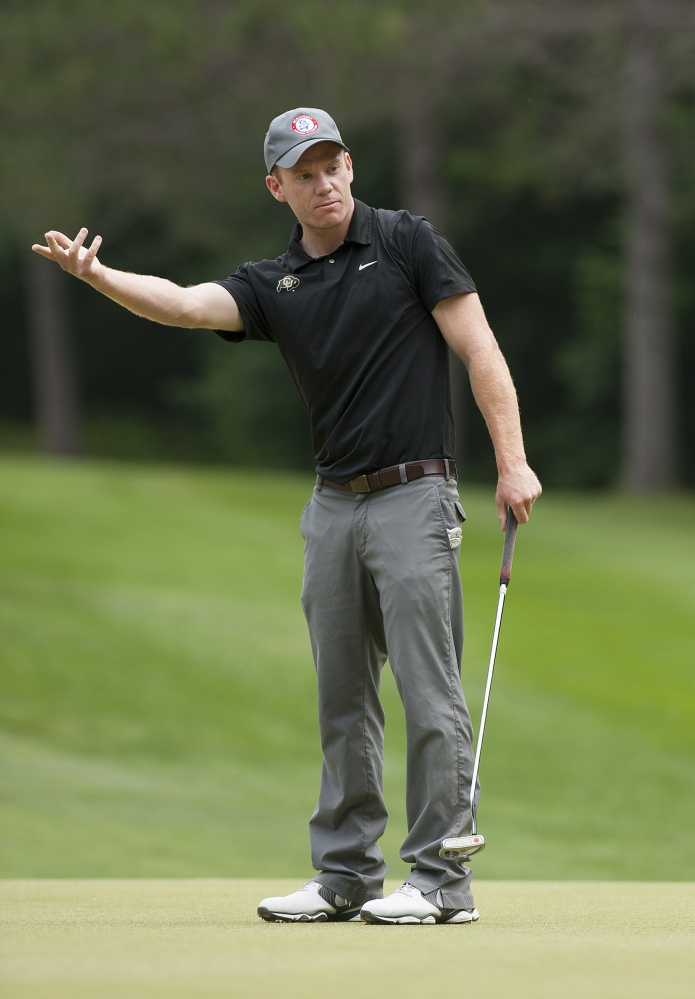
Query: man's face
317,187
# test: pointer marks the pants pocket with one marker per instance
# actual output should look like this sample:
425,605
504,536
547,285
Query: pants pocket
452,513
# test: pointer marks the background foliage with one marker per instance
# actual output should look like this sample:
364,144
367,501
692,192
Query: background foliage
146,124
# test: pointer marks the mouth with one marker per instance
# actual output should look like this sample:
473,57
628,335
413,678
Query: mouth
327,204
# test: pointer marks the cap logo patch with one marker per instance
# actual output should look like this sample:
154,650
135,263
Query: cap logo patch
288,283
304,124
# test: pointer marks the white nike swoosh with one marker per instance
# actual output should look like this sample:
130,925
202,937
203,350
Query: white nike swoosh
362,266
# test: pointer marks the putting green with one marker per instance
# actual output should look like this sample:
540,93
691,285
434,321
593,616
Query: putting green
184,939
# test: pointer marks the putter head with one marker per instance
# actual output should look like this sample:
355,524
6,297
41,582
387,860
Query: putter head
461,848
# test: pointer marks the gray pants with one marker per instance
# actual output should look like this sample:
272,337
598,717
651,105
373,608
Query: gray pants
381,579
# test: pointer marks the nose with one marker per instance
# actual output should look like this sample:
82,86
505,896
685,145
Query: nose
324,184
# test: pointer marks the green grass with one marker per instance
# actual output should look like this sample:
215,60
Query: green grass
202,939
157,694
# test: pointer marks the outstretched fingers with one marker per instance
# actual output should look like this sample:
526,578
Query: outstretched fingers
74,251
71,254
60,238
43,251
93,250
59,246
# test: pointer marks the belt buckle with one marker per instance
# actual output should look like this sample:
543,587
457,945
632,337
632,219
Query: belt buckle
360,484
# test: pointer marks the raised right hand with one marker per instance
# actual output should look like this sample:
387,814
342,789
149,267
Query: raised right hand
72,255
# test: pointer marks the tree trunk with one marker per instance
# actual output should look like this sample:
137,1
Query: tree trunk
55,391
423,193
420,150
650,383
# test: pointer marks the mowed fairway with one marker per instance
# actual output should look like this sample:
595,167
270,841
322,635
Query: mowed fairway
189,939
158,742
157,695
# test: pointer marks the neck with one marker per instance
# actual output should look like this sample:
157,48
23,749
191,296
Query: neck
320,242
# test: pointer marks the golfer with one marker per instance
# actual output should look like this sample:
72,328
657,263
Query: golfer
362,307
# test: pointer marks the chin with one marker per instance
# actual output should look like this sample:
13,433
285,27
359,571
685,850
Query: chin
331,219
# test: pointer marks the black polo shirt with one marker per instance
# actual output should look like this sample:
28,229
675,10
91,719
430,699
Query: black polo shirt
356,331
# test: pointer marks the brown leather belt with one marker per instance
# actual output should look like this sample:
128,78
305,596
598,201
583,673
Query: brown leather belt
395,475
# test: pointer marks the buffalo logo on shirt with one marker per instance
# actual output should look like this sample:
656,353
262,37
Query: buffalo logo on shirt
288,283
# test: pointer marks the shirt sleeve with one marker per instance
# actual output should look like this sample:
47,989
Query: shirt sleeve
240,286
437,270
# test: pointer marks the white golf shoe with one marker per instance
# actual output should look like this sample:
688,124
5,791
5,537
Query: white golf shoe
312,903
409,905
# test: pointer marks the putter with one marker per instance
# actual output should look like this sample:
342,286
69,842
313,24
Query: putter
462,848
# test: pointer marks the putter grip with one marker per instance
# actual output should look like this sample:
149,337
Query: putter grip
508,552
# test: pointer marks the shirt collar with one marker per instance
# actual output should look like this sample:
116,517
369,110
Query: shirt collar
359,231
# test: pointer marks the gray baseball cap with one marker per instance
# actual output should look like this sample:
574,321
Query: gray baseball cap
291,134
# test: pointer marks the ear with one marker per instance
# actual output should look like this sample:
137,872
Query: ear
348,164
275,188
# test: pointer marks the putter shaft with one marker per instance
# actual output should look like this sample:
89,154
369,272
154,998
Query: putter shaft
463,848
486,701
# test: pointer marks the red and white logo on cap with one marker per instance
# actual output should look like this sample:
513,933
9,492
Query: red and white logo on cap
304,124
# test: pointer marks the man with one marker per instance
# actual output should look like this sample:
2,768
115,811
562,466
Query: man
362,307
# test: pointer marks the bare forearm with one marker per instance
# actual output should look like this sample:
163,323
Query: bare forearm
464,327
152,297
204,306
496,397
517,485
